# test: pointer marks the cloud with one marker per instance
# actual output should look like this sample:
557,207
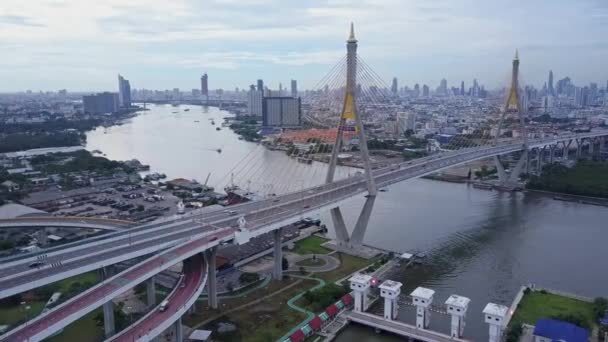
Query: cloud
18,20
416,41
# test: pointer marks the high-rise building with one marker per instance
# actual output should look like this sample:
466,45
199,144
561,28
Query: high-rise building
405,121
205,85
124,92
101,103
443,87
416,90
550,89
475,89
261,85
461,88
294,88
281,112
425,90
394,86
254,103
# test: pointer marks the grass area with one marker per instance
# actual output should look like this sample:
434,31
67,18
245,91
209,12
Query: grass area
264,321
348,265
86,326
16,314
310,262
586,178
536,305
311,245
64,286
230,303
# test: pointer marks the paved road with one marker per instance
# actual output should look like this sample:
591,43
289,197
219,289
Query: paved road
329,263
18,276
190,286
66,313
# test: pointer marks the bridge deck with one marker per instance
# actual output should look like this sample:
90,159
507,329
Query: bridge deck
399,328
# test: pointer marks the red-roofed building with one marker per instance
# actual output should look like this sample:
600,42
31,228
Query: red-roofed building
297,336
315,323
347,299
332,310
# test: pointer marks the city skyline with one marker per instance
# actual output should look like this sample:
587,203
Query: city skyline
227,40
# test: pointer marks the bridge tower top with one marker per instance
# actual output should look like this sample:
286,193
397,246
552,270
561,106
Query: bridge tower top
350,119
513,102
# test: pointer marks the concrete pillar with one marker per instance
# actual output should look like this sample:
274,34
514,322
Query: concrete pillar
528,163
495,315
551,153
210,255
340,227
422,299
360,284
390,291
539,162
108,319
108,307
277,273
178,330
591,147
566,152
579,147
356,239
502,176
151,291
457,307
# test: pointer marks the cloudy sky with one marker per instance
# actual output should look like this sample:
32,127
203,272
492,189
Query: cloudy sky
159,44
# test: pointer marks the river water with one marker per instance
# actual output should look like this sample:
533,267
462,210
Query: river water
480,244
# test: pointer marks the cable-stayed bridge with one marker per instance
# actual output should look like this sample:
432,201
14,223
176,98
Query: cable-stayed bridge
188,237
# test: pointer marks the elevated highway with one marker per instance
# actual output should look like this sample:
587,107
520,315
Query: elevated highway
261,216
59,317
184,237
67,222
183,296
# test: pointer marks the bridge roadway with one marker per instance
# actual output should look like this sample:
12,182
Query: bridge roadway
262,216
66,222
183,296
149,326
399,328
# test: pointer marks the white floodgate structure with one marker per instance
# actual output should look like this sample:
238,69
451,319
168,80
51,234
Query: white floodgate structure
422,299
457,307
390,291
496,316
360,284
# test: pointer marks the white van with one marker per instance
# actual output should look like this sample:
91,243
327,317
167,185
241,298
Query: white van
164,305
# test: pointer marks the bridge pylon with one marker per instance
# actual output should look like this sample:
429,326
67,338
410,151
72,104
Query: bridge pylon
350,121
513,107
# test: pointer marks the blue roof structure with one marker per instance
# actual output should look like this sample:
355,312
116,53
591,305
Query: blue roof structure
560,331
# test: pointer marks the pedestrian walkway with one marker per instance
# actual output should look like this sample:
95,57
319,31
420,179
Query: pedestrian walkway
399,328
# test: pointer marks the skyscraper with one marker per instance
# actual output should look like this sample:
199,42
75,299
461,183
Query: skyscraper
394,86
294,88
416,90
550,89
205,85
261,85
461,88
102,103
281,112
124,92
443,87
254,102
425,90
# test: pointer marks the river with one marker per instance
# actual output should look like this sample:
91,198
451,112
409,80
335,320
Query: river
480,244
